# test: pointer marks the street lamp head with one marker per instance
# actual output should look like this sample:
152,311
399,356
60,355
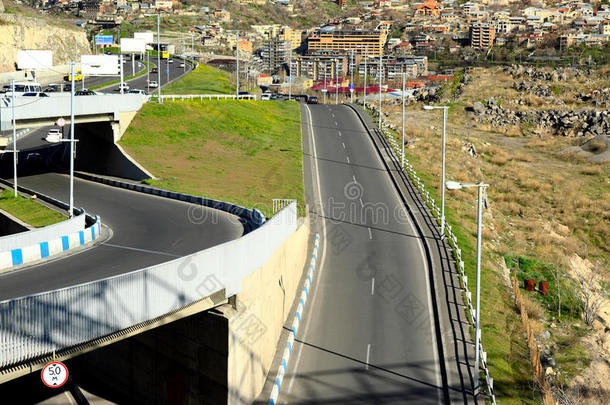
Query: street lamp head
453,185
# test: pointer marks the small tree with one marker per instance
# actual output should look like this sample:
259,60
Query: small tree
593,296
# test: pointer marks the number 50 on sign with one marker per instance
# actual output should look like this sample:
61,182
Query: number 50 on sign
54,374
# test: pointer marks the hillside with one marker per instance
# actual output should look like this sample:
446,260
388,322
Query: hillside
22,27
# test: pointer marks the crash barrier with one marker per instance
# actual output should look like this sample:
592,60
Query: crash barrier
251,219
41,324
277,384
431,203
37,244
539,374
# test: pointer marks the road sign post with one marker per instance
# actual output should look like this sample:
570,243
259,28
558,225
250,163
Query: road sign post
54,374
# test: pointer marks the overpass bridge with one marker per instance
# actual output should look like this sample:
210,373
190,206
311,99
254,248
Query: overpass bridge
33,112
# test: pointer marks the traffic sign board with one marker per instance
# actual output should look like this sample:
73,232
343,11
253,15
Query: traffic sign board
167,71
351,90
60,122
54,374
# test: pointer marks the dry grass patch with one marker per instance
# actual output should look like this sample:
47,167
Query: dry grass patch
534,309
591,170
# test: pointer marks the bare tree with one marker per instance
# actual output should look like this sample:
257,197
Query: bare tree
567,396
592,294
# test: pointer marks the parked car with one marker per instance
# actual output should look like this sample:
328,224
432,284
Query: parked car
170,61
153,84
108,53
182,65
312,100
123,86
35,94
6,88
136,91
85,92
54,135
266,96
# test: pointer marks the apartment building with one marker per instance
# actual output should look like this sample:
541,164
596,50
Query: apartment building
482,35
346,41
275,54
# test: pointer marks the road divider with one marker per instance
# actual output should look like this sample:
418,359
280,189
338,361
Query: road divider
275,392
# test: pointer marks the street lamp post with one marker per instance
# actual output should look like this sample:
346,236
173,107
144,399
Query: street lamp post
336,81
365,58
237,64
454,185
404,79
71,209
159,57
15,136
351,82
380,74
290,76
325,90
444,108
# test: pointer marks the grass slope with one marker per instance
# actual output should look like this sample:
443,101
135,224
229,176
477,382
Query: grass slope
245,152
203,80
29,211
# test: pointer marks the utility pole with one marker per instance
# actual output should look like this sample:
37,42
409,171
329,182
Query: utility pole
147,69
237,64
380,74
121,66
133,64
15,136
71,209
290,72
366,56
325,88
404,79
336,81
159,56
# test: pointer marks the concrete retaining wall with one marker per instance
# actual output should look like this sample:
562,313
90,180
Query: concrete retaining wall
9,225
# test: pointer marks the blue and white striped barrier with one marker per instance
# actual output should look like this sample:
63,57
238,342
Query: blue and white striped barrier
275,392
42,250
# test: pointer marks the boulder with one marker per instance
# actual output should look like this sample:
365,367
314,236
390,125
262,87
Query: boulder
478,107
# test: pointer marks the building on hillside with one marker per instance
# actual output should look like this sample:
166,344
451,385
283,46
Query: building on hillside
344,42
604,27
294,37
341,3
429,8
163,4
275,54
482,35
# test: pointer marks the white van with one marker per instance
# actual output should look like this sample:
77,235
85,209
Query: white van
23,87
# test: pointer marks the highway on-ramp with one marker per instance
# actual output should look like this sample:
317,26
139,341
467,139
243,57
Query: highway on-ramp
368,334
146,230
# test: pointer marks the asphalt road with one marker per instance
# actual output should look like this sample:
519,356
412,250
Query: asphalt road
367,334
147,230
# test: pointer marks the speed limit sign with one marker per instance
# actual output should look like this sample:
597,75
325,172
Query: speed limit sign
60,122
54,374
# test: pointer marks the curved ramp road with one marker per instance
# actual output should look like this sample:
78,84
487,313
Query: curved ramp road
147,230
368,332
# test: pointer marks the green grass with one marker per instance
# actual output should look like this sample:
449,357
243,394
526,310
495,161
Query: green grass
203,80
245,152
29,211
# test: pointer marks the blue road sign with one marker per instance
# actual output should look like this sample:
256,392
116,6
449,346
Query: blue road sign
351,86
104,39
167,71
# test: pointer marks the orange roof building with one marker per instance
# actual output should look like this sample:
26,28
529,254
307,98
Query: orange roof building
429,7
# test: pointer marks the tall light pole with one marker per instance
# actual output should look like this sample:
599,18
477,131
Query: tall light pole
336,81
15,136
325,90
380,74
404,79
454,185
237,64
71,209
444,108
121,69
290,74
366,56
159,56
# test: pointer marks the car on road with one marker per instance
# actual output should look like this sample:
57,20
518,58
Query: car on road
312,100
123,86
266,96
54,135
153,84
182,65
108,53
85,92
170,61
137,91
6,89
154,70
35,94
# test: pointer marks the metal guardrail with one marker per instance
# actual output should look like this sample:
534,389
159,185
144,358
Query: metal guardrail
174,97
39,324
396,151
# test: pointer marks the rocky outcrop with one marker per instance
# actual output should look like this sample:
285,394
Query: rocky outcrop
584,122
555,75
529,87
19,32
599,98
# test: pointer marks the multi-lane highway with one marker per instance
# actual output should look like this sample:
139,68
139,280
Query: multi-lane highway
370,332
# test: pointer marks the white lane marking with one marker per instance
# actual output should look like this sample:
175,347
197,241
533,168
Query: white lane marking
368,355
336,123
361,202
333,114
314,293
140,250
343,143
339,133
373,286
370,234
354,177
70,398
423,257
347,159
